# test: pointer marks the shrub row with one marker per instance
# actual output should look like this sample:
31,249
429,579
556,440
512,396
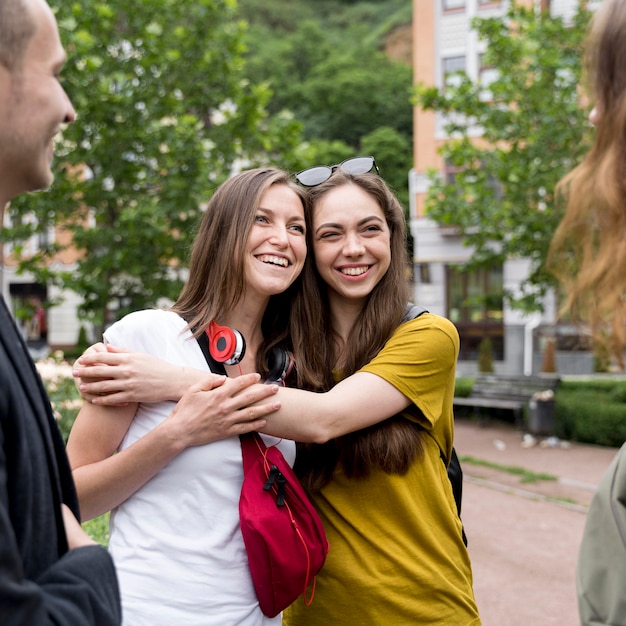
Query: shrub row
591,412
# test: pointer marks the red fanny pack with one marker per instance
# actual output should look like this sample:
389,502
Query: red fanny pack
283,534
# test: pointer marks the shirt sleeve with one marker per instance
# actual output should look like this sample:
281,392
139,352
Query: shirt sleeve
79,589
419,360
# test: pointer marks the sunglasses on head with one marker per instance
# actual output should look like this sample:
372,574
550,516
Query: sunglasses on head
321,173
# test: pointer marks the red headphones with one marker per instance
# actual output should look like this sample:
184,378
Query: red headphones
228,346
225,344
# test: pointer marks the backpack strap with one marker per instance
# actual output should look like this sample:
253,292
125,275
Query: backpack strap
412,311
454,470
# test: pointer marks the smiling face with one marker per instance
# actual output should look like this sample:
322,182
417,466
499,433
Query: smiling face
276,246
351,242
33,106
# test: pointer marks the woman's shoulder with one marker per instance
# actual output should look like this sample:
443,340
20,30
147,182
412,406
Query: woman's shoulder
429,321
428,334
150,316
151,323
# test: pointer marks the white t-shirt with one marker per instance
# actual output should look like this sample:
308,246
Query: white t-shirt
176,542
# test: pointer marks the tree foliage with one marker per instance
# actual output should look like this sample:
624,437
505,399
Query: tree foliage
325,63
172,97
532,131
164,115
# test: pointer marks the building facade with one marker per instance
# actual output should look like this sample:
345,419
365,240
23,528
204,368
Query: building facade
444,42
45,326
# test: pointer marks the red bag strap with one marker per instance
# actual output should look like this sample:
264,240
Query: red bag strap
252,447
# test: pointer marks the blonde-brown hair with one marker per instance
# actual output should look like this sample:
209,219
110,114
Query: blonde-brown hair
588,251
392,445
216,280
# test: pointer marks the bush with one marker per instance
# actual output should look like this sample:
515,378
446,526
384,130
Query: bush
56,373
592,412
98,529
463,387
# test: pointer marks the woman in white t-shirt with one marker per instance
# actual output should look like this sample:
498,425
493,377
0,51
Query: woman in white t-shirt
172,473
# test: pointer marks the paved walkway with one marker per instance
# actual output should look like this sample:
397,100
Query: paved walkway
524,536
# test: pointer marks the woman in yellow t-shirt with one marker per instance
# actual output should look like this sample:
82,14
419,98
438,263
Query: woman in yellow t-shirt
374,469
376,434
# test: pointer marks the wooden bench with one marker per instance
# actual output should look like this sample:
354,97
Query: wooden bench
508,392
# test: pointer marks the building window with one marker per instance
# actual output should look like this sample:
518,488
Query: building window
450,173
423,273
453,5
486,75
451,66
475,306
482,3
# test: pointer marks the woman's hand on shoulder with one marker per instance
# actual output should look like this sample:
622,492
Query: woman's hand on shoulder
219,407
109,375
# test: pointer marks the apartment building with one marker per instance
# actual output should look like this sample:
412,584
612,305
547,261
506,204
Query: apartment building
444,42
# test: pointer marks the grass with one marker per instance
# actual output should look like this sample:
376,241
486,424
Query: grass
98,529
526,476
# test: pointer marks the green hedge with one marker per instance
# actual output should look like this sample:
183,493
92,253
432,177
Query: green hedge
592,411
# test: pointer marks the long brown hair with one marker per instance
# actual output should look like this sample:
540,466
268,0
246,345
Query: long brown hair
216,280
588,251
391,445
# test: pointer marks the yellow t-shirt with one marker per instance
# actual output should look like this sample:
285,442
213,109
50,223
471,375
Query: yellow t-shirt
396,555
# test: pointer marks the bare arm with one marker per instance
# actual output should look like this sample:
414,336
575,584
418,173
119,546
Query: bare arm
76,536
416,366
304,416
357,402
214,409
429,348
109,375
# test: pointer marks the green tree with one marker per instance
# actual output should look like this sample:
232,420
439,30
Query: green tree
344,98
324,62
533,131
164,115
393,154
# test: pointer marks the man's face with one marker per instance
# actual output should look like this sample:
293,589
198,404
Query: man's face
33,106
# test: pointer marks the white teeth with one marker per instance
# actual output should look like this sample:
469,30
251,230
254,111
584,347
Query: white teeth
274,260
355,271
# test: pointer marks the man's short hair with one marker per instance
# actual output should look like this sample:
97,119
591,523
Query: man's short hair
17,26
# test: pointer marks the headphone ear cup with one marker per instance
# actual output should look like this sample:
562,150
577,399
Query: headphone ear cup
226,345
280,365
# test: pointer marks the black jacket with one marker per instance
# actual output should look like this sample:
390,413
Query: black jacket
41,582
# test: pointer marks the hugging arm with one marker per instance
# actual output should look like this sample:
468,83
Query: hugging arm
304,416
415,367
427,349
357,402
110,375
213,409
